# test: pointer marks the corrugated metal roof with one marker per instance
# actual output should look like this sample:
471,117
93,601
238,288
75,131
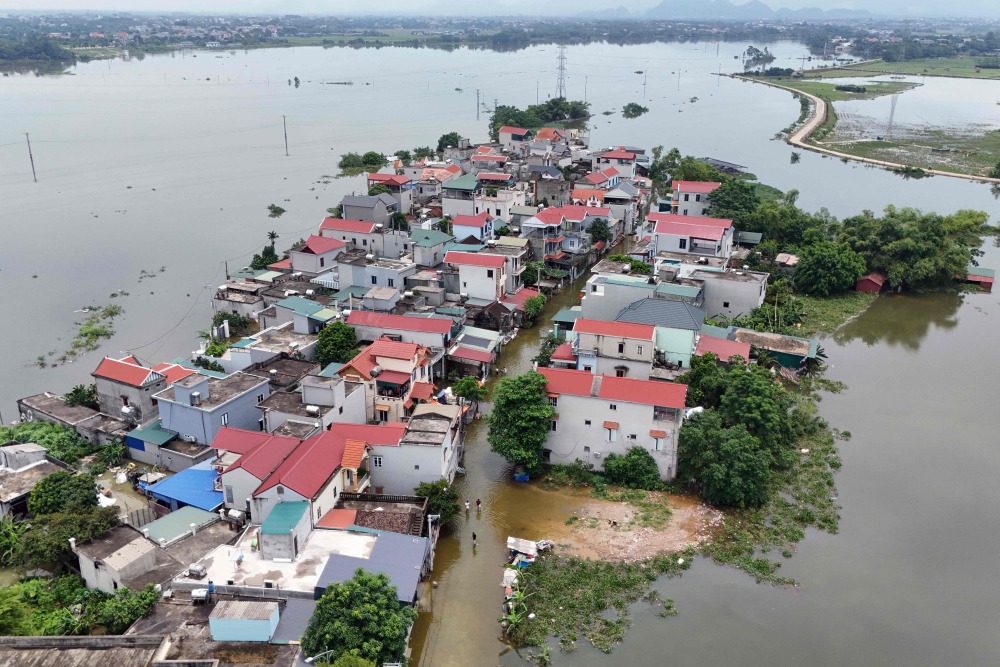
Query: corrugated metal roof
178,523
194,486
154,434
246,610
689,291
283,518
399,557
663,313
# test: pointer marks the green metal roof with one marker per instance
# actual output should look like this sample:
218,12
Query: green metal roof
715,332
331,370
243,343
283,518
451,310
428,238
629,281
300,305
249,273
269,276
981,271
186,363
468,182
354,290
463,247
178,523
154,433
567,315
324,315
678,290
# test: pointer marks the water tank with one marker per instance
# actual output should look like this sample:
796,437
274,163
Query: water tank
195,398
310,292
369,257
312,410
407,294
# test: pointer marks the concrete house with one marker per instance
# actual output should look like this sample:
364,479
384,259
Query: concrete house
559,236
614,348
458,196
509,136
400,187
428,450
429,177
22,466
691,197
316,255
197,406
240,298
244,459
597,415
481,276
731,293
362,269
677,325
374,209
622,160
373,238
125,389
434,333
319,400
604,179
395,376
124,558
306,316
428,246
711,237
480,226
501,205
488,162
515,251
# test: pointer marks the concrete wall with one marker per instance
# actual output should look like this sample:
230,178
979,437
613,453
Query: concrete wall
314,264
478,284
238,485
726,296
243,630
484,233
261,506
677,345
406,466
609,366
575,439
690,203
203,424
110,395
287,546
377,214
173,461
427,339
603,301
428,256
452,207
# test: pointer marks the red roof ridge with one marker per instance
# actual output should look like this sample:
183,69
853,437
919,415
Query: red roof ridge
615,329
474,259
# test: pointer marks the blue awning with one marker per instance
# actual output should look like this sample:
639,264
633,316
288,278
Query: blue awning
194,486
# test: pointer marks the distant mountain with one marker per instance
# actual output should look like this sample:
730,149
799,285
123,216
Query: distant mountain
620,12
750,11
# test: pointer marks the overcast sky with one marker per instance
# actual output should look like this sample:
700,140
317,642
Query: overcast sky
492,7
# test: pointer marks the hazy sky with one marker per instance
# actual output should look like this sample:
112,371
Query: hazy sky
492,7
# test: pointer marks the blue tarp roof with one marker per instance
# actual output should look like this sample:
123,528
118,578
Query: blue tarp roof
194,486
400,557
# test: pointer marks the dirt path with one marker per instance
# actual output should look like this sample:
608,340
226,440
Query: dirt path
607,530
799,137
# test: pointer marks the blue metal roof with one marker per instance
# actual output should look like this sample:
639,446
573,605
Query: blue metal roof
194,486
400,557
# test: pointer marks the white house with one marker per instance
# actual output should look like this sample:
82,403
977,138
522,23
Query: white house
244,459
428,451
614,348
316,255
499,205
510,135
596,415
433,333
712,237
622,160
400,187
240,298
319,400
691,197
481,276
458,195
480,226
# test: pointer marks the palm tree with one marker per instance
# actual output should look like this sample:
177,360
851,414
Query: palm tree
272,236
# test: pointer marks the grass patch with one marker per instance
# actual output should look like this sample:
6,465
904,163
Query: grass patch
954,66
653,509
829,92
825,314
949,150
570,598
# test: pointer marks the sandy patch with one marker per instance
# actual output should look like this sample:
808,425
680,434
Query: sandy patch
608,530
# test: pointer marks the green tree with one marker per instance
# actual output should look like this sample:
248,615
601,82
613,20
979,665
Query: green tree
530,274
534,307
274,211
442,499
113,453
272,236
521,419
266,257
352,661
238,324
470,389
398,222
60,491
351,161
362,617
377,190
336,211
635,469
59,442
754,400
706,381
446,140
335,343
729,464
46,542
599,230
692,169
84,395
421,152
404,156
635,266
827,267
735,199
372,159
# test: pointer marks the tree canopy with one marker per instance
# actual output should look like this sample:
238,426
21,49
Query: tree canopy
534,307
520,420
734,200
826,267
361,617
335,343
728,463
599,230
85,395
554,110
635,469
442,499
469,388
446,140
377,189
46,541
59,442
60,491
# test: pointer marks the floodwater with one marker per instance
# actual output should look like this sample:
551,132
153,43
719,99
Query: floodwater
171,161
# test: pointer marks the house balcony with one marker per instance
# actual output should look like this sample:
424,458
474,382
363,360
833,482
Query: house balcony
665,414
703,250
361,483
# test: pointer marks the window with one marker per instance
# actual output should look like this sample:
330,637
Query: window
586,450
322,261
416,467
376,461
593,288
383,415
620,372
319,512
612,406
638,349
281,490
391,282
229,495
261,425
125,401
553,401
554,422
612,434
374,280
621,348
465,284
687,197
631,436
657,444
586,422
354,241
364,242
404,247
489,273
697,197
725,304
589,369
341,410
682,244
498,212
260,398
115,584
225,419
685,212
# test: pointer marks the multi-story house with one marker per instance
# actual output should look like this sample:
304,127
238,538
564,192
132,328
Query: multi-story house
622,160
614,348
126,389
596,415
395,376
691,197
197,406
428,451
559,236
499,203
378,208
480,276
434,333
515,251
458,195
317,255
509,136
711,237
401,188
479,226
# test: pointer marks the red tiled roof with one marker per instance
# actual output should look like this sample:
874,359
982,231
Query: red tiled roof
482,150
564,353
172,372
338,518
399,322
510,129
610,172
697,187
472,354
585,194
519,297
722,348
724,223
354,453
697,231
473,259
238,440
317,245
472,220
388,434
489,158
493,176
554,216
619,155
395,377
367,359
387,179
422,391
263,459
127,371
875,277
549,133
614,329
280,265
646,392
628,390
595,177
309,466
600,245
340,225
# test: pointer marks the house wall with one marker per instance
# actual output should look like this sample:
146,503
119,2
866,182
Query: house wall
283,547
261,506
677,345
484,233
243,630
154,455
431,256
404,467
237,486
690,203
103,578
238,307
314,264
574,439
477,282
110,395
450,207
741,296
377,214
500,205
203,424
609,366
427,339
557,192
603,301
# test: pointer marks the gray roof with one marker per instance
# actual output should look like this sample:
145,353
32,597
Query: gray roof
247,610
293,620
545,169
663,313
400,557
365,201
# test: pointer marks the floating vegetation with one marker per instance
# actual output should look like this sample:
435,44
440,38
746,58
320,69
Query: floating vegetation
633,110
97,326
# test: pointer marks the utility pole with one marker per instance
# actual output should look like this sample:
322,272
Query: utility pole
477,104
561,72
536,92
585,88
284,125
31,157
495,106
644,85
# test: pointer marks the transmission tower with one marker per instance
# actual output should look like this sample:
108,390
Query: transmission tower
892,114
561,73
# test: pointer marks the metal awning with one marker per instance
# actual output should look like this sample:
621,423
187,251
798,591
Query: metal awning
522,546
